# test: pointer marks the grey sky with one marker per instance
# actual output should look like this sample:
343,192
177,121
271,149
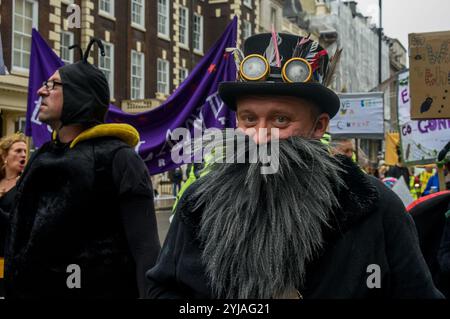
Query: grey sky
401,17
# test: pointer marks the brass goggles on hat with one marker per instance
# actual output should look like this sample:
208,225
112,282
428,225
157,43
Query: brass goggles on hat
255,67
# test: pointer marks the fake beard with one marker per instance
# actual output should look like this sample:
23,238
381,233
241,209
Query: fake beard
259,231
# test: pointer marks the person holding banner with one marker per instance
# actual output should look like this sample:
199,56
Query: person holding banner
83,224
318,227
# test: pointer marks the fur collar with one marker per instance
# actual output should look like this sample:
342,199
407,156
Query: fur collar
357,199
124,132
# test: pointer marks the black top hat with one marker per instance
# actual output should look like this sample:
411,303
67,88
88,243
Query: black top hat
296,66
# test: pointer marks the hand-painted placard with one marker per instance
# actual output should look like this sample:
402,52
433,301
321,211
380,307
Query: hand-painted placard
430,75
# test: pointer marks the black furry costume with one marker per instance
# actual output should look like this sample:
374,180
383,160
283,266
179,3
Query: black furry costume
87,203
217,254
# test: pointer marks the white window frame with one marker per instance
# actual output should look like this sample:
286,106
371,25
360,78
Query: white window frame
159,72
111,70
185,43
140,25
166,15
248,3
141,76
248,27
201,34
20,122
71,41
183,70
34,25
110,13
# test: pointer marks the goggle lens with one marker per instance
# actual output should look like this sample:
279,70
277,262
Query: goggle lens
254,68
297,70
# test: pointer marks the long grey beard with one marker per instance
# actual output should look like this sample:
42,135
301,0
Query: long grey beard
259,231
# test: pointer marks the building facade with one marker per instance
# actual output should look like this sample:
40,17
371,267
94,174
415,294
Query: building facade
398,61
341,25
151,45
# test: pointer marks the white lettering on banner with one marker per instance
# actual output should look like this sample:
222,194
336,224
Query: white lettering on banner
196,119
35,114
149,157
216,103
138,146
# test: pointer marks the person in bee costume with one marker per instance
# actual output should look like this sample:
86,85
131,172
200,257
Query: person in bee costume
84,224
318,227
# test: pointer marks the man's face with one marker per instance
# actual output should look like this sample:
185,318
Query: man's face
291,115
52,101
345,148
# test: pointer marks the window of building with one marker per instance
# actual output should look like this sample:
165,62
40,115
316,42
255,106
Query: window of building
183,74
66,42
163,18
19,124
106,64
106,7
162,76
248,3
247,29
25,17
184,26
137,75
138,12
198,33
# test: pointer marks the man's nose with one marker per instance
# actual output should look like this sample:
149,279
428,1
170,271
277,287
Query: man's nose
263,133
42,91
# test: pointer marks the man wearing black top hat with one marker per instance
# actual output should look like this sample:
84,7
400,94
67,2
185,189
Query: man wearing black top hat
317,228
84,224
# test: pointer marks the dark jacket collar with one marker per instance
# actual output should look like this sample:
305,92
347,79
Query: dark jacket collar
358,198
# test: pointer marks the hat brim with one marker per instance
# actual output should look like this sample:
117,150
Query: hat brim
324,98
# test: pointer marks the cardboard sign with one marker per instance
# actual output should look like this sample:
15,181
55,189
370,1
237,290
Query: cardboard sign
430,75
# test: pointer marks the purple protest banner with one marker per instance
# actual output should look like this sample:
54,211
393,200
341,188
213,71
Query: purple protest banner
195,101
43,63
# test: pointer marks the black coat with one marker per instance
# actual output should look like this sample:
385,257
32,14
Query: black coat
91,206
372,227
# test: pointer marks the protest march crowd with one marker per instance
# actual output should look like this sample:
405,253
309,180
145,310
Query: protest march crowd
78,217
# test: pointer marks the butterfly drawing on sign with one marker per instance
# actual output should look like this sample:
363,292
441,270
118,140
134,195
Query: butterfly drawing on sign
442,56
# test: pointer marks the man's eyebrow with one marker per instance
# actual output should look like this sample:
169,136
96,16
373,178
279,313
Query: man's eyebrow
281,111
245,111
